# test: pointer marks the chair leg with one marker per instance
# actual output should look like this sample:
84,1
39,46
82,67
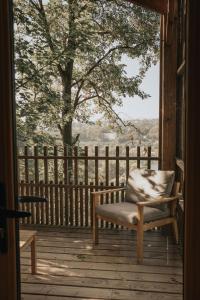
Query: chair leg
95,230
175,229
140,236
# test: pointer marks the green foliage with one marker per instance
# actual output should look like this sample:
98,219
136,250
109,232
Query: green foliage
69,61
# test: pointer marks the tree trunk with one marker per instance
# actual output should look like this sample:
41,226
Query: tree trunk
67,134
66,75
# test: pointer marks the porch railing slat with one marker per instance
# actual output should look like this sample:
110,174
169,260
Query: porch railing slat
138,157
86,189
81,208
26,167
61,213
46,180
66,190
107,176
56,199
36,173
76,190
149,158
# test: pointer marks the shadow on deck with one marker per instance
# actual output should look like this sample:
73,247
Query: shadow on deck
70,268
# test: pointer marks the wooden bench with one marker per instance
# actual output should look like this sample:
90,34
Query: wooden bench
27,237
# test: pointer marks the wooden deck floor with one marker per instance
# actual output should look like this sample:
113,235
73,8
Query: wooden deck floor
69,267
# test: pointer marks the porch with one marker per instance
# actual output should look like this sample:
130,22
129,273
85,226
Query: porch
70,268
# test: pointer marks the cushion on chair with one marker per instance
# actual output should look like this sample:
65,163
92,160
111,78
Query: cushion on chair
127,212
146,185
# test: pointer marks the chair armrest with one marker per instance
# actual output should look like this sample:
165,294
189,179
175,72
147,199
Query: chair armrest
31,199
96,195
158,201
107,191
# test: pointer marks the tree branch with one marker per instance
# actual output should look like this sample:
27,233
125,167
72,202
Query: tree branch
108,105
38,71
96,64
86,99
42,14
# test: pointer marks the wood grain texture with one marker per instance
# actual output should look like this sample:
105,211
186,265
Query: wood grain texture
168,98
8,280
192,165
94,273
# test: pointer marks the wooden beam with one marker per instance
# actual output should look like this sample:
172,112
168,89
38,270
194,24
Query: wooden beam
192,145
159,6
170,20
8,273
168,99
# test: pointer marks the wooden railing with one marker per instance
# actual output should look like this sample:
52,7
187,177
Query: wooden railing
67,180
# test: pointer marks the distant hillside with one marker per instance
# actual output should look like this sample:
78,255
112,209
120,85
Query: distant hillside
96,135
146,135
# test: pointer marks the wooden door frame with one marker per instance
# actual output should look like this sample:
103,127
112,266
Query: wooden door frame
192,146
8,263
8,289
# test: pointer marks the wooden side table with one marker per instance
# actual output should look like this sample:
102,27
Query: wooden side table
28,237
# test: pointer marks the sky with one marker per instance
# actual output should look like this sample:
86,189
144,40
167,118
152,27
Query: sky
136,108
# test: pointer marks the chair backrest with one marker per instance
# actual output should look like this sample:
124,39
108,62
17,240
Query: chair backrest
149,184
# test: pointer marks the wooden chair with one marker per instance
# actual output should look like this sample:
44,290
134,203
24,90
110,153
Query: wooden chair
148,204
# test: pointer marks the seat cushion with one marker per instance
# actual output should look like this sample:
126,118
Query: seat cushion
126,212
146,185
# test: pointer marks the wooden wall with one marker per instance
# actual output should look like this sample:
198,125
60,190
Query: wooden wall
192,145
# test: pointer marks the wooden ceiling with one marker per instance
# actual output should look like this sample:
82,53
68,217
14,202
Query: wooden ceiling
160,6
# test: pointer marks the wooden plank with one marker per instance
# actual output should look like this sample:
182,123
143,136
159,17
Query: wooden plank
56,198
105,241
27,238
41,205
51,196
61,212
33,216
81,205
36,174
109,249
66,190
104,256
106,283
115,235
22,204
85,292
138,157
86,189
168,99
46,180
102,223
117,172
26,169
172,288
127,163
96,167
52,270
76,210
46,297
149,157
91,203
107,170
192,162
71,204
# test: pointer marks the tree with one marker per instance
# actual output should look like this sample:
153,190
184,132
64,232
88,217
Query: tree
69,60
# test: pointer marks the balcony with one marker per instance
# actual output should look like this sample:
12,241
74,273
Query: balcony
70,268
68,265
